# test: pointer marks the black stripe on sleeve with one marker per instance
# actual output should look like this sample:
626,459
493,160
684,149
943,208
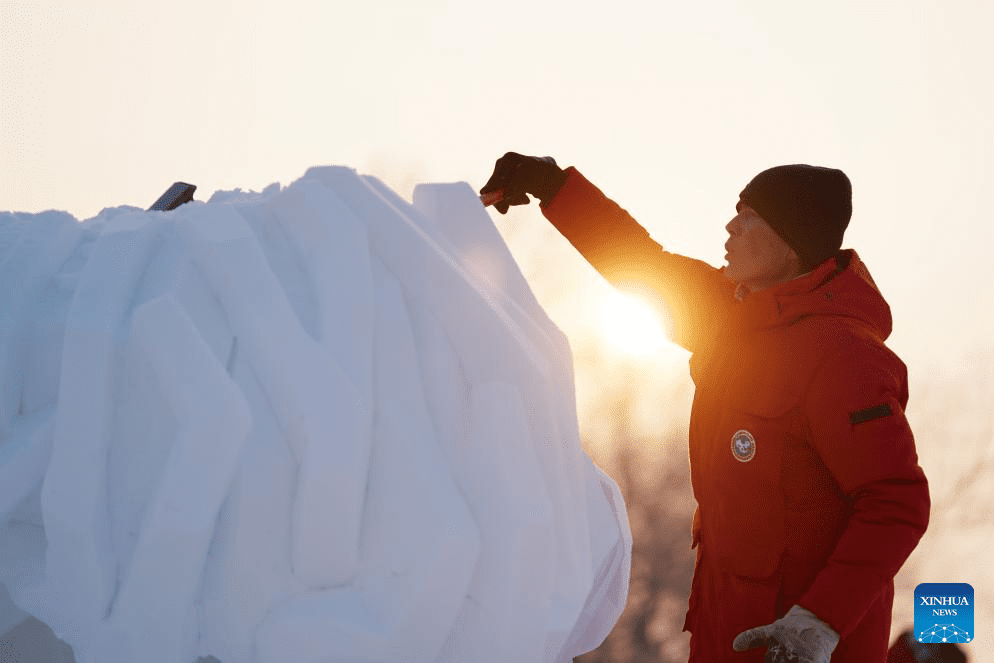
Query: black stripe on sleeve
870,413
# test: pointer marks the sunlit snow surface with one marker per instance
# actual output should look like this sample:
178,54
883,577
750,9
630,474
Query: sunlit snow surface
310,424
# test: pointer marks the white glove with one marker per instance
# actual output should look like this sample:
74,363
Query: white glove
797,637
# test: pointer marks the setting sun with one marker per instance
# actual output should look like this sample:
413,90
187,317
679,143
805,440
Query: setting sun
631,324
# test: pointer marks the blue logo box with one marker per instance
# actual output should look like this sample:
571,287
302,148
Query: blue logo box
944,612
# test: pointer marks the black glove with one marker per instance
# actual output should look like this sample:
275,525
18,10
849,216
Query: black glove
518,175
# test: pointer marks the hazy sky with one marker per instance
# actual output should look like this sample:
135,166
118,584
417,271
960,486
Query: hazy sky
669,107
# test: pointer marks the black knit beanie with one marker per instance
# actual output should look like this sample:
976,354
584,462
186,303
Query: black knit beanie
808,206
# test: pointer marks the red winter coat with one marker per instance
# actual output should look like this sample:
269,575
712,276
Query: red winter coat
802,462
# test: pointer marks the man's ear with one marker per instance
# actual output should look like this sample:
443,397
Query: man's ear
792,260
795,259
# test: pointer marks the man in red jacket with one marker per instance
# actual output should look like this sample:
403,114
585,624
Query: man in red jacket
809,493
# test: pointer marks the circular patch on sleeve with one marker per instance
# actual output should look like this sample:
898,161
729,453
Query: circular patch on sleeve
743,446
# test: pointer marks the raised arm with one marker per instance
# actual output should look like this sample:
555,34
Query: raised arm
693,295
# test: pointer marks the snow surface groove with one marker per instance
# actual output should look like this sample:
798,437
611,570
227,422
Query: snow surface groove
316,423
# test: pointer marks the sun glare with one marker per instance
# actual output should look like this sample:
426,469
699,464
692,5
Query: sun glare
631,324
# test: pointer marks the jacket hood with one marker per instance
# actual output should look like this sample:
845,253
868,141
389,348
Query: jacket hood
842,285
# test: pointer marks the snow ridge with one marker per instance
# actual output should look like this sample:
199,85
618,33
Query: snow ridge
316,423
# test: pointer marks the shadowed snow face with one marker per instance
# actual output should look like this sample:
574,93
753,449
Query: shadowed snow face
756,255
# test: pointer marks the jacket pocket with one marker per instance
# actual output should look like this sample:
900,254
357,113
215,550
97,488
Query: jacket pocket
748,530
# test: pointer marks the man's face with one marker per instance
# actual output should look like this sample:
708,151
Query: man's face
757,257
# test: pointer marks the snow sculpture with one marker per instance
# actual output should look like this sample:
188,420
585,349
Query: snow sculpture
316,423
